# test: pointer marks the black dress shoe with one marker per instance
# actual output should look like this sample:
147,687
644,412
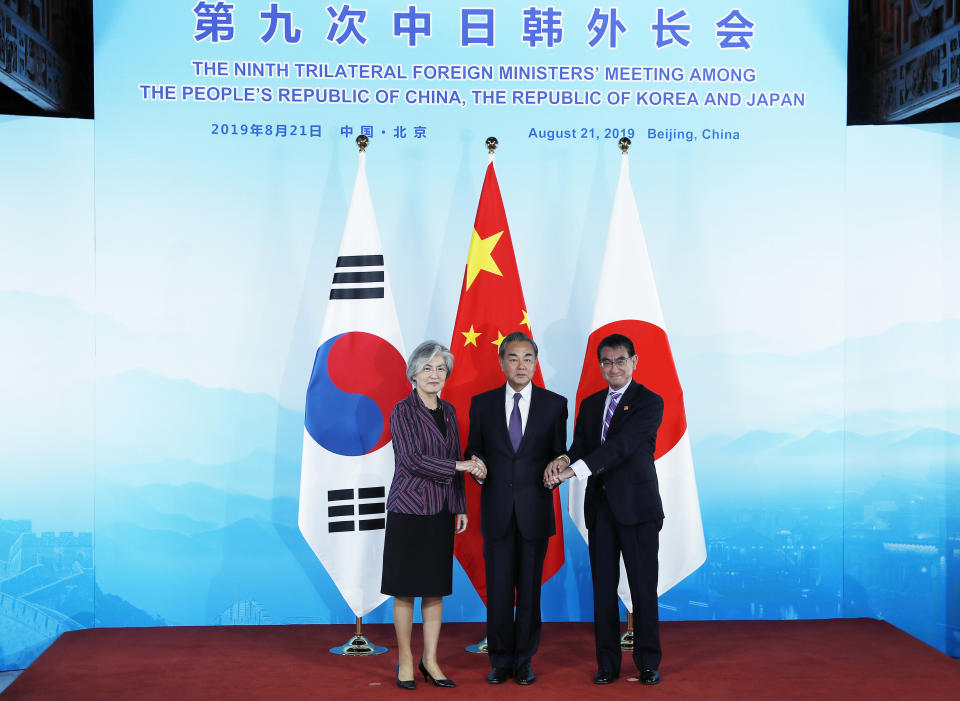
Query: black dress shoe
405,683
604,677
525,675
649,676
427,677
498,675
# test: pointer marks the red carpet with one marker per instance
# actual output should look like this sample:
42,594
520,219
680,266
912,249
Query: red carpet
848,659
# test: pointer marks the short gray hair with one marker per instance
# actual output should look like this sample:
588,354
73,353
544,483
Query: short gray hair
423,353
517,337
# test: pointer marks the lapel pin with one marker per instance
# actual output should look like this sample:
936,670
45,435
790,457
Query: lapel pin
626,407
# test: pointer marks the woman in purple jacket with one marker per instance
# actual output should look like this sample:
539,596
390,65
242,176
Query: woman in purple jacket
426,506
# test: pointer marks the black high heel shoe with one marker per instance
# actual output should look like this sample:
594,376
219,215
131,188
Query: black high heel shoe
427,677
405,683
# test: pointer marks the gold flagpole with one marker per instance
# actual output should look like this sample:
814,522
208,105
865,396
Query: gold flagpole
358,645
481,648
626,640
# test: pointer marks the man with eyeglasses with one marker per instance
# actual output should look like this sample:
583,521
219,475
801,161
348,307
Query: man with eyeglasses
515,430
613,448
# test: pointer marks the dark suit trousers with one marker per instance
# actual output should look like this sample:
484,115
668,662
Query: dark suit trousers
639,545
514,568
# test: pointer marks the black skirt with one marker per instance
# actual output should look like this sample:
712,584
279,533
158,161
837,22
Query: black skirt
418,555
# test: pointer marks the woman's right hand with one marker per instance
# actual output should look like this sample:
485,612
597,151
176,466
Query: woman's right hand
474,466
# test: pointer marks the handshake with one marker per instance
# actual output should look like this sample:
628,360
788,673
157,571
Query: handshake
558,470
475,466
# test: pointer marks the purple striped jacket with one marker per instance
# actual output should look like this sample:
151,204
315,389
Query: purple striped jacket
425,478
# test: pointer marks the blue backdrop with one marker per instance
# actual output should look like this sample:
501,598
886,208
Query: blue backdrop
165,267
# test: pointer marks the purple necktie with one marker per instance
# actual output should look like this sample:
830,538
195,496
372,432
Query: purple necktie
516,428
614,398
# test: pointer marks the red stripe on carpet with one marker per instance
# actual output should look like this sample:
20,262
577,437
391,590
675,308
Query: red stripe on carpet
842,658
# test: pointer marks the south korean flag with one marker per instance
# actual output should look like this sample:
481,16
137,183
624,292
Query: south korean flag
359,374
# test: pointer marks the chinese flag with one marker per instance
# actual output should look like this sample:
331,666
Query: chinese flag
491,306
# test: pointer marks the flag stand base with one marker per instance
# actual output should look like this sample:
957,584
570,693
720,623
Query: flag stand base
626,640
358,645
479,648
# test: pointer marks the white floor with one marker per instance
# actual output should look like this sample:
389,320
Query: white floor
6,678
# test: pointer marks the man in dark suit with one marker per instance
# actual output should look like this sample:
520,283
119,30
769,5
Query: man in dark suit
515,430
613,447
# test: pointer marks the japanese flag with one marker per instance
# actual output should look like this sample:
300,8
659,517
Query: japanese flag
627,303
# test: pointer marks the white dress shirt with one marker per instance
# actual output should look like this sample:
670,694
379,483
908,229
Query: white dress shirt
580,468
524,405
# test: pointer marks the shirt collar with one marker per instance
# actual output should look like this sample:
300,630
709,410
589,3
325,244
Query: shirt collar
525,392
623,389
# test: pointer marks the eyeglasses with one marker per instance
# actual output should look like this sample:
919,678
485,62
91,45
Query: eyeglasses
619,362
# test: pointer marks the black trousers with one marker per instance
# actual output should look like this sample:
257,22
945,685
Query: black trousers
514,569
639,545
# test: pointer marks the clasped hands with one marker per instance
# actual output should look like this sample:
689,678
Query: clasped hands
558,470
475,466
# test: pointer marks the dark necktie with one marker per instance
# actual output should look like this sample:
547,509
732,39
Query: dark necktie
611,407
516,427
